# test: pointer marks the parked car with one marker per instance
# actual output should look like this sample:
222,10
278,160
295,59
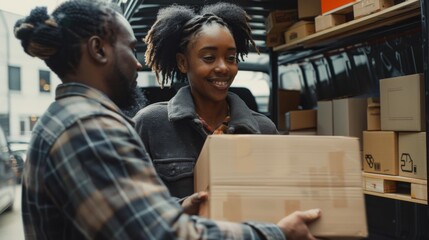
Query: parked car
7,175
18,147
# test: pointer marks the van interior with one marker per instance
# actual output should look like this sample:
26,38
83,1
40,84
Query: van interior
342,62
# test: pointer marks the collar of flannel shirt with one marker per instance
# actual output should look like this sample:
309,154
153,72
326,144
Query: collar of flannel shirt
222,129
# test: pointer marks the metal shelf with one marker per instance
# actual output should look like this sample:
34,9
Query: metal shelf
355,29
386,17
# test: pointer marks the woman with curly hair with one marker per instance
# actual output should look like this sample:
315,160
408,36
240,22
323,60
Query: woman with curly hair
203,50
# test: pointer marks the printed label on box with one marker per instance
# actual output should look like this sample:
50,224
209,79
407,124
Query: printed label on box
369,159
407,163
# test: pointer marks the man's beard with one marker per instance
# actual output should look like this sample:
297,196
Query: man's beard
130,99
131,102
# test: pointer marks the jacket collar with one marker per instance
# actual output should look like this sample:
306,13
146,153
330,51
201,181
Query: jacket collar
77,89
182,106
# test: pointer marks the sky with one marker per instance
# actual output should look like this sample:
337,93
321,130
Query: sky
23,7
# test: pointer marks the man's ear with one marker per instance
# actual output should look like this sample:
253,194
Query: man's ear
96,49
182,64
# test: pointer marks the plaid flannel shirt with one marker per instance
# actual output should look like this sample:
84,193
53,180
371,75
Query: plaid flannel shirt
88,176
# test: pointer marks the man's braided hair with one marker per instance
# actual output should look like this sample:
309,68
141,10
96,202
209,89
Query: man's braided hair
57,38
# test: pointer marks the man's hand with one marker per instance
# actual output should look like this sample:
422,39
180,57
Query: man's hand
191,204
294,226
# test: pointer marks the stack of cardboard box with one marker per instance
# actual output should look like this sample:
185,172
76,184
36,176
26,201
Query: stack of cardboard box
340,11
307,10
317,15
398,147
342,117
276,24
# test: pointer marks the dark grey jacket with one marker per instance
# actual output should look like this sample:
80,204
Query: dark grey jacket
174,136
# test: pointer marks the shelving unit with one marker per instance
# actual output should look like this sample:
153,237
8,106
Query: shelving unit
406,16
395,180
386,17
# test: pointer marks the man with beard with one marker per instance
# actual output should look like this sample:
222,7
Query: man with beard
88,175
138,102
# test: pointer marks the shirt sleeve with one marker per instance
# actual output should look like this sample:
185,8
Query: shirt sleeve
101,176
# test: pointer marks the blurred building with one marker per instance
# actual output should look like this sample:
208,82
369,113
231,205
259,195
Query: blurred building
27,86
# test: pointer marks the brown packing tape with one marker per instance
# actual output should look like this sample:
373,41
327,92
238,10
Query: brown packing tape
336,165
232,207
314,175
243,155
336,168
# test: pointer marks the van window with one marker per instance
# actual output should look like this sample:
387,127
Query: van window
258,84
146,79
290,77
343,82
325,89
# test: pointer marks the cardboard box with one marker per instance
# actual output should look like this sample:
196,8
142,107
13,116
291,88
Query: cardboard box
349,117
288,100
270,176
402,103
323,22
299,30
325,118
275,39
310,131
366,7
373,121
335,6
278,21
380,152
308,9
300,119
412,155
